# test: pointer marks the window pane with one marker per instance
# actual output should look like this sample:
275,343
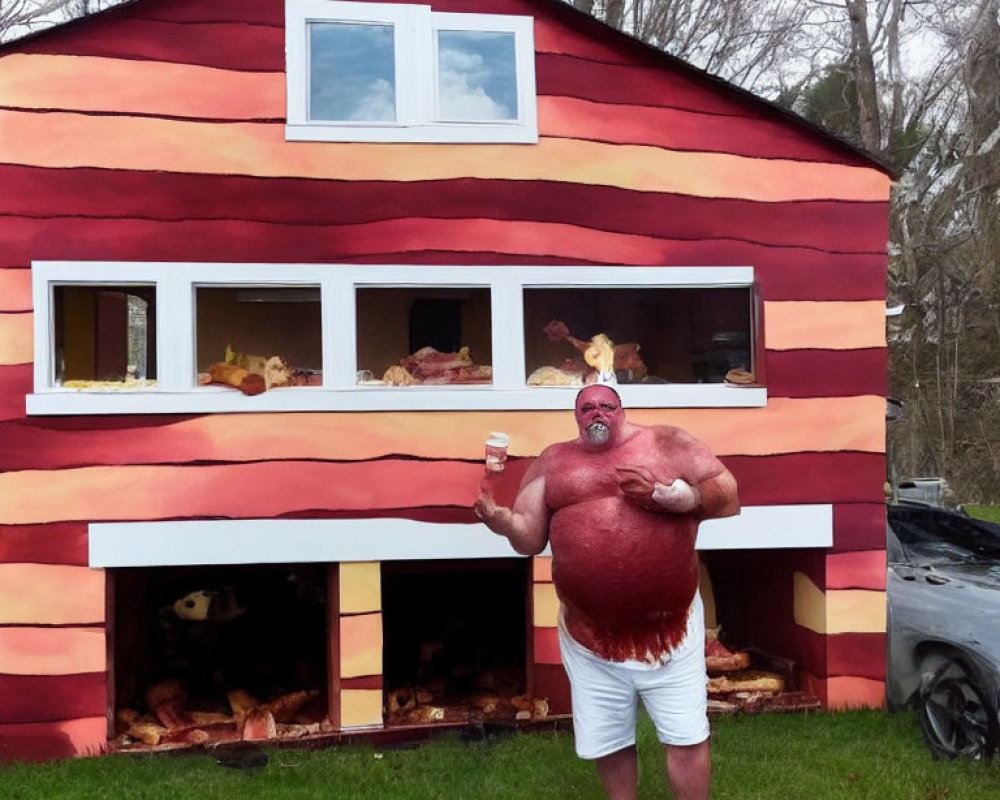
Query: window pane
423,336
352,72
105,334
477,75
273,333
650,335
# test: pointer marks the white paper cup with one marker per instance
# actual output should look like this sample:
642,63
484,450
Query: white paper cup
496,451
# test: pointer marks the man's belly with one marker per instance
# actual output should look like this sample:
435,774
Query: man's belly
616,564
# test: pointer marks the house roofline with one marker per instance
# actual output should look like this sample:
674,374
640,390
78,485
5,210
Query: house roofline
562,6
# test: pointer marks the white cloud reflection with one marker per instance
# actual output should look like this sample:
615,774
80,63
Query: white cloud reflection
352,72
477,77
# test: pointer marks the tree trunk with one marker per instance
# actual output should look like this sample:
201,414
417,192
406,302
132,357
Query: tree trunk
863,66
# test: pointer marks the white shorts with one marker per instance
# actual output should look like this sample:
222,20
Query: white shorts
605,694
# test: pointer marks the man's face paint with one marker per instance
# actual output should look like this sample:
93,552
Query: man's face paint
599,415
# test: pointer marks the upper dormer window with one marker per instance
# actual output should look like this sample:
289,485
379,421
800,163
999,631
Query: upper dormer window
381,72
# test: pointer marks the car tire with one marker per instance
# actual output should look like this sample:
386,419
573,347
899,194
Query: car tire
956,719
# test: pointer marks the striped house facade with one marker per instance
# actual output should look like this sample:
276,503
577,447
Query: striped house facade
156,133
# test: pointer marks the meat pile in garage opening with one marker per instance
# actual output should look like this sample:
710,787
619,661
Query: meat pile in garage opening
171,718
750,681
497,696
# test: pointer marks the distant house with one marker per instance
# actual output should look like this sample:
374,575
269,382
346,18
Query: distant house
270,274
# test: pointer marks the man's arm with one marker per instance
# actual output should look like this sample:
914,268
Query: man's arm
718,497
710,498
705,488
526,525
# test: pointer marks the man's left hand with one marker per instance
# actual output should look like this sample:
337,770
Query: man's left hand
679,497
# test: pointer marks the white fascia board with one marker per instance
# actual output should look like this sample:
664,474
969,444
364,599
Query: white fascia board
270,541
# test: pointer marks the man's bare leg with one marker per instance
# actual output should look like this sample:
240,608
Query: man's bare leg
689,769
620,774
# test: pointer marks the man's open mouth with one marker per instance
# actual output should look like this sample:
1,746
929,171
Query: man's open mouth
598,433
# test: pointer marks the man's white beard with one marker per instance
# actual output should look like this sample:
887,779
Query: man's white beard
598,433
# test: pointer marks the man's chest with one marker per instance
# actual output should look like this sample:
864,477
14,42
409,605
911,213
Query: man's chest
579,476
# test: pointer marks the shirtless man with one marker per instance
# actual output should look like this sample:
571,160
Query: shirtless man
620,506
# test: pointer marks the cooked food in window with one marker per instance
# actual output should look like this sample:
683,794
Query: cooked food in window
428,367
130,383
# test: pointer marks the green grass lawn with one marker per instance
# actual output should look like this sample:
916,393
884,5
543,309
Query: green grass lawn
819,756
989,513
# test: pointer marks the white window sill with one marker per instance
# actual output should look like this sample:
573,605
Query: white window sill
443,133
214,400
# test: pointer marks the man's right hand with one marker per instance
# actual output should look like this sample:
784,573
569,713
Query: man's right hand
485,508
526,525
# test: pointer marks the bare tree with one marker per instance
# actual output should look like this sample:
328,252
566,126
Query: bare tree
21,17
916,83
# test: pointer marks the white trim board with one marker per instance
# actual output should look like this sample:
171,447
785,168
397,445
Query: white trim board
270,541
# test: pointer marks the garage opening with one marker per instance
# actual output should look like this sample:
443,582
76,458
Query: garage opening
455,640
201,653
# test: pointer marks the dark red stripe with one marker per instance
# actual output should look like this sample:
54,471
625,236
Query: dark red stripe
858,655
448,515
15,382
365,682
227,45
783,273
464,258
255,12
809,478
43,741
859,526
827,373
822,225
50,698
57,543
552,684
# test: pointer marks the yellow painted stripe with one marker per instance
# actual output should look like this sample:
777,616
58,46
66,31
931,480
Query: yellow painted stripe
546,605
835,325
15,288
360,587
360,708
75,140
785,425
86,83
16,336
51,594
26,496
52,651
360,645
838,610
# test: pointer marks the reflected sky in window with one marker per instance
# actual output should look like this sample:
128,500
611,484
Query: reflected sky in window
352,72
477,75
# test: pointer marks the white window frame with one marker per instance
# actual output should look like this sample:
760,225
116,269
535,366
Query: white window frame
415,38
176,389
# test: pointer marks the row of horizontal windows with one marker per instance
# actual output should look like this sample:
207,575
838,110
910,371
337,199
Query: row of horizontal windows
405,336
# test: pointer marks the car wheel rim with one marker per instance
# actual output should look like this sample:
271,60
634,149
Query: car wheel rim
956,718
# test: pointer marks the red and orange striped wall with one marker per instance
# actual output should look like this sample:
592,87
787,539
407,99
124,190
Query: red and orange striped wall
155,133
